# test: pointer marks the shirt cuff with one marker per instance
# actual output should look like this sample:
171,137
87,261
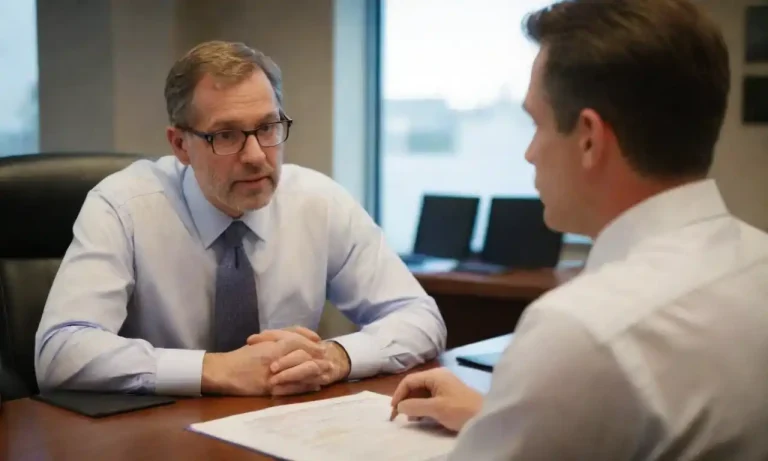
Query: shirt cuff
365,354
179,372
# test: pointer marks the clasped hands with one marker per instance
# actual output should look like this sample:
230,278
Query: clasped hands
295,360
275,362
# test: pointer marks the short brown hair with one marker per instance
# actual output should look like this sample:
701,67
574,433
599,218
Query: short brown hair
656,70
228,61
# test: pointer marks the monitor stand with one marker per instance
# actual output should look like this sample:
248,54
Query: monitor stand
480,267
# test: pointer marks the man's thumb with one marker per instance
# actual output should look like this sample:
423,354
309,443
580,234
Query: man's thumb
420,407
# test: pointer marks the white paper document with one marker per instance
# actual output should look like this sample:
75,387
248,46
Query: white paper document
355,427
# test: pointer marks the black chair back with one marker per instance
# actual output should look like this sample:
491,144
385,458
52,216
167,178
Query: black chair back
40,198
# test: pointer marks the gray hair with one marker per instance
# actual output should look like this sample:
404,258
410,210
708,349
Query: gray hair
231,62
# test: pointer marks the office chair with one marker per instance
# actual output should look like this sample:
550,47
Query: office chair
40,197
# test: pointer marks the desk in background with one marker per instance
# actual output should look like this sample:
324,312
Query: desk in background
31,430
477,307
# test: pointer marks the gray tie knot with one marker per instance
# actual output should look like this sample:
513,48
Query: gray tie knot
233,236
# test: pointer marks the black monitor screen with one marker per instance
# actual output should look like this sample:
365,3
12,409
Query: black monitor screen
445,226
756,43
755,106
517,236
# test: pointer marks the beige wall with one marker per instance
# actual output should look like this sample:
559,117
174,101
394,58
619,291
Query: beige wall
142,52
75,65
741,163
103,66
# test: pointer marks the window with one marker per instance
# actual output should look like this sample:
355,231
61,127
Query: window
420,126
19,119
454,77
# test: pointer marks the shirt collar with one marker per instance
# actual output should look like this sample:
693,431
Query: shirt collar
669,210
211,222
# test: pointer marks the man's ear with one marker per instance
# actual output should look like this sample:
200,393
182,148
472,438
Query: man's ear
591,131
178,143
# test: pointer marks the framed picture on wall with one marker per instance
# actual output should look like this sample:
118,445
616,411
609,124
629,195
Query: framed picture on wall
757,33
755,103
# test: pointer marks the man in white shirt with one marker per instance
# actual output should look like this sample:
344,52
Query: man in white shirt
659,350
205,272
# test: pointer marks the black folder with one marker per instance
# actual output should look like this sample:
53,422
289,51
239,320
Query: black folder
485,362
98,404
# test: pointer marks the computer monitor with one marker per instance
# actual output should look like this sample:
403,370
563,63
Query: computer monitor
517,236
446,224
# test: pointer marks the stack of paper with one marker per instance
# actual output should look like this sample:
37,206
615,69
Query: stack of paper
354,427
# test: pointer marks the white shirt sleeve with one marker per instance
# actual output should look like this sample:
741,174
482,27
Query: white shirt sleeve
401,326
556,394
77,343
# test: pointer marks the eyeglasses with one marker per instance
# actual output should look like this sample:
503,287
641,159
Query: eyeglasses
228,142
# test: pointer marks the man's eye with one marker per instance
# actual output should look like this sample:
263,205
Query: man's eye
226,135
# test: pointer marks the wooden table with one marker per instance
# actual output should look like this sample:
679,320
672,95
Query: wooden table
476,307
31,430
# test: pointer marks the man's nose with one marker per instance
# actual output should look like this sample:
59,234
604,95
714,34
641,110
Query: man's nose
252,151
529,155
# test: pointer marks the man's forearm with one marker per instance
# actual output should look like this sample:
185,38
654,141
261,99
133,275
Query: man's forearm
89,358
213,380
396,342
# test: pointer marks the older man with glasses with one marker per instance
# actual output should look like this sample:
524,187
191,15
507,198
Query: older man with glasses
197,274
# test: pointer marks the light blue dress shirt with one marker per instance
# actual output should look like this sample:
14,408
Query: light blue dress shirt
131,308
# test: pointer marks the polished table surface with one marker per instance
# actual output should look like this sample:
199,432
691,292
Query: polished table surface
31,430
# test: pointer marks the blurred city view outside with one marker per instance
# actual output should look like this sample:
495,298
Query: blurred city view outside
454,77
19,108
452,152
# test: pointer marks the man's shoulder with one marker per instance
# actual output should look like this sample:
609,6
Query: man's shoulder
305,184
142,178
601,302
300,179
619,295
611,300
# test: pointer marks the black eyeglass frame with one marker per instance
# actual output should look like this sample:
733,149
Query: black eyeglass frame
209,136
